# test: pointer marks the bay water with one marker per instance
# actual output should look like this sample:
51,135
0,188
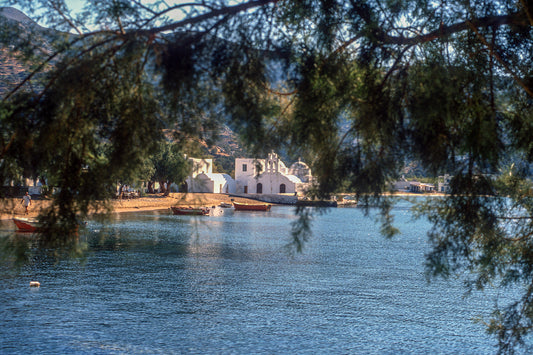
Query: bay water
154,283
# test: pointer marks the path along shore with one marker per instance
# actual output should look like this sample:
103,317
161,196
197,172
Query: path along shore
12,207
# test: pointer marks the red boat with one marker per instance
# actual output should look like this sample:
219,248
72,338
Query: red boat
26,225
190,211
251,206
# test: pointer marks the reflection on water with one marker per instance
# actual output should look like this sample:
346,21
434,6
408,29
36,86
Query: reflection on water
158,283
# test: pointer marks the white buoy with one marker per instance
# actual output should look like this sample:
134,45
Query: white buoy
35,284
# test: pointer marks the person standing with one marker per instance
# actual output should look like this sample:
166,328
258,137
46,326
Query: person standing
26,201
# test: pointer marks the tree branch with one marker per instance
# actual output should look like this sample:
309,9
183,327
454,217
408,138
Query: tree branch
528,12
66,18
230,10
495,55
516,19
169,9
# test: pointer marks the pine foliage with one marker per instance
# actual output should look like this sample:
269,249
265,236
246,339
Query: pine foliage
357,88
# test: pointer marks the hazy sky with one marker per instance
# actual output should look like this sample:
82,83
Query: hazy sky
77,5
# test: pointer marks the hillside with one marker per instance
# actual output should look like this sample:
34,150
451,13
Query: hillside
20,34
19,37
17,16
12,71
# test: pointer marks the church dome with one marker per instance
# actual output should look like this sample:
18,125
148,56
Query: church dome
301,170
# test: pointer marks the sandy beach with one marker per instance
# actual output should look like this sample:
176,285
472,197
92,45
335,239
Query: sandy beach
13,208
10,208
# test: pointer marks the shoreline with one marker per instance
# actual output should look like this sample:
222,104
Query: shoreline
11,207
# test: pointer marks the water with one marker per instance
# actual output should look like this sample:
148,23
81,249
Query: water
153,283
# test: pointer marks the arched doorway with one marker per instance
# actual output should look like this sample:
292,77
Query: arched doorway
259,188
282,188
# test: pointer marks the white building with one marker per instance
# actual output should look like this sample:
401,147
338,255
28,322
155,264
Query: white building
444,183
202,178
268,176
419,187
214,183
401,185
252,176
302,171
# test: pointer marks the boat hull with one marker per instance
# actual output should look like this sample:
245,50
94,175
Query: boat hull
26,225
189,211
251,207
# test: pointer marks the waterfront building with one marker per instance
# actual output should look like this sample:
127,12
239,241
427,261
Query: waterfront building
444,183
270,176
419,187
252,176
202,178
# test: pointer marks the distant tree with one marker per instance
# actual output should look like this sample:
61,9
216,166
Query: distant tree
170,166
224,164
354,87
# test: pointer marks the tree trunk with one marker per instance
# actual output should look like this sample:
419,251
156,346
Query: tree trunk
162,188
167,190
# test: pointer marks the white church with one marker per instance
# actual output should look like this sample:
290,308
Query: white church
202,178
252,176
270,176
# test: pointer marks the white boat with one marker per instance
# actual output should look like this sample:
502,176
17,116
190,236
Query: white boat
26,224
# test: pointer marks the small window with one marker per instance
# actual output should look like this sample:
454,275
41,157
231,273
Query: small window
259,188
244,167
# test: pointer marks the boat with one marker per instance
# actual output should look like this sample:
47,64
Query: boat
26,225
225,205
251,206
32,225
190,211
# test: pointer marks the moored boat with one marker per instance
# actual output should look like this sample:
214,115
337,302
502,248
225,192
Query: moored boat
251,206
191,211
26,224
32,225
225,205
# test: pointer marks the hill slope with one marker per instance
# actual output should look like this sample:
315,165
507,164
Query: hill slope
19,36
19,33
